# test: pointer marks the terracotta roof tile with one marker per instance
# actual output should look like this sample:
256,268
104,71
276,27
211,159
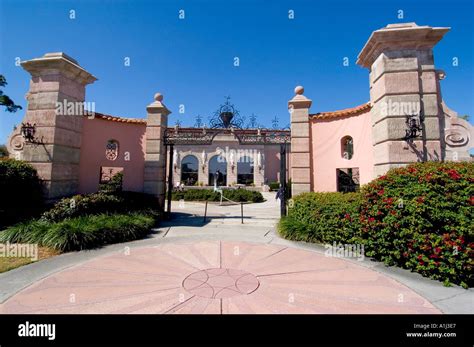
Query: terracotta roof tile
119,119
348,112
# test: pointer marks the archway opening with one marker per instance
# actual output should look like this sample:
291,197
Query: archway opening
189,170
245,171
218,170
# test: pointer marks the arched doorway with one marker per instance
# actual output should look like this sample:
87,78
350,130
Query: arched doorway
189,170
245,170
218,168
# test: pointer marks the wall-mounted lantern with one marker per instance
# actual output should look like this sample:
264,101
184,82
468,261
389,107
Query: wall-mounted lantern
414,128
28,132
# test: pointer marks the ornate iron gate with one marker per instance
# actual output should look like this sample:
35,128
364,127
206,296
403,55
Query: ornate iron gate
205,136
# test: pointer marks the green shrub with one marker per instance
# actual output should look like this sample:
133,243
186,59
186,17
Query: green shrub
274,186
97,203
113,186
420,217
238,195
79,233
3,151
323,217
20,191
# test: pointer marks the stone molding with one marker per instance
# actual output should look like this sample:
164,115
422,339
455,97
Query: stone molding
398,37
52,63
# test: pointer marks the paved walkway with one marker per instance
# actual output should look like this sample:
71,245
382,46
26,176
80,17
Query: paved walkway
221,266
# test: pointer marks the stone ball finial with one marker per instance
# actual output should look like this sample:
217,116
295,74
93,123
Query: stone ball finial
299,90
158,97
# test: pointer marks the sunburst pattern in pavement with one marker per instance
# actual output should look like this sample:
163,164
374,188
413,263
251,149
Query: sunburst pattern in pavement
217,277
220,283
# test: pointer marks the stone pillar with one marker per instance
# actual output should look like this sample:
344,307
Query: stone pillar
56,107
155,153
232,167
300,169
403,81
259,166
203,169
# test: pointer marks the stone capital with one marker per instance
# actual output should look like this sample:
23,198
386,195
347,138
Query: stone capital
395,37
58,63
299,100
157,106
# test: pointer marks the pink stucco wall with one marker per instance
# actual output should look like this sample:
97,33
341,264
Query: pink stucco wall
326,156
95,134
272,163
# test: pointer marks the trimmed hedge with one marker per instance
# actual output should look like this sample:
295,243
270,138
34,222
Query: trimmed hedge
21,191
323,217
114,185
274,186
79,233
97,203
239,195
419,217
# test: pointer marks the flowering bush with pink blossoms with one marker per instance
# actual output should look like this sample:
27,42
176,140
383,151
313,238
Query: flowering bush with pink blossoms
420,217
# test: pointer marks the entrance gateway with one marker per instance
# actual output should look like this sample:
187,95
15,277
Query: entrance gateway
226,126
330,151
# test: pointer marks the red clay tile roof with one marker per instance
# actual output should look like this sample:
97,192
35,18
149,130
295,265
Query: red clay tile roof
199,130
119,119
348,112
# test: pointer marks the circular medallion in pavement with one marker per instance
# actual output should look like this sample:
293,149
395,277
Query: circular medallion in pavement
217,283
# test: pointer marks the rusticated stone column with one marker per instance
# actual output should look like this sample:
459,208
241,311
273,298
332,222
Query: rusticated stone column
155,155
403,81
55,107
259,166
300,143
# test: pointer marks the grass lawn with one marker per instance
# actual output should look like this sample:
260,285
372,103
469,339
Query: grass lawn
9,263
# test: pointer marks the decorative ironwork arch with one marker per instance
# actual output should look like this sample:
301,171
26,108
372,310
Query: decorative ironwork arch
227,120
227,116
204,136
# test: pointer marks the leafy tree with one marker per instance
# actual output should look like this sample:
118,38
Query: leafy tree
3,151
465,117
5,99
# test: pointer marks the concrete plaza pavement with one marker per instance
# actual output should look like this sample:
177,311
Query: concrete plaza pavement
221,266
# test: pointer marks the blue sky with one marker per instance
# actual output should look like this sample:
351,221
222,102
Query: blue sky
191,61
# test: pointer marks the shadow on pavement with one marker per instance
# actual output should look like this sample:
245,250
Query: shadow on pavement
189,219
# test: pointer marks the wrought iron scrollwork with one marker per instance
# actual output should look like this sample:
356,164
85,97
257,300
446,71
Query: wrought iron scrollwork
196,136
227,116
226,120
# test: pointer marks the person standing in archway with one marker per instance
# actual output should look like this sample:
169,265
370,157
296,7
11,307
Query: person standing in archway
218,178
